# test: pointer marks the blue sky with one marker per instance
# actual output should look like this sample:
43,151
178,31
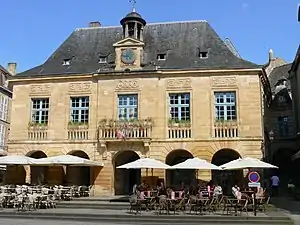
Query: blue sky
32,29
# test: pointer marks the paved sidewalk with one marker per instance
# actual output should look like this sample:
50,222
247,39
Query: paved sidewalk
288,206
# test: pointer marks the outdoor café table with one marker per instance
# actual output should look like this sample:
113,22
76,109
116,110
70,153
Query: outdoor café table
252,196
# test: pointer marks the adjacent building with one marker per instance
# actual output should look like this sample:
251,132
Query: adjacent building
5,101
168,91
295,84
279,121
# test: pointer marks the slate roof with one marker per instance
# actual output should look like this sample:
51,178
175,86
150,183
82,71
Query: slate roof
278,73
3,69
181,42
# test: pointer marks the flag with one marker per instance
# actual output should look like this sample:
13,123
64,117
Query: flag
121,135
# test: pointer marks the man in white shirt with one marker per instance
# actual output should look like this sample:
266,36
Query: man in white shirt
274,185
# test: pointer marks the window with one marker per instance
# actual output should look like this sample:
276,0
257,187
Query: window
2,136
127,107
179,105
202,54
102,59
40,111
66,62
79,110
3,107
225,106
161,57
283,126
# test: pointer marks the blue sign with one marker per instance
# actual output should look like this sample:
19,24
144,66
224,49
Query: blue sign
254,177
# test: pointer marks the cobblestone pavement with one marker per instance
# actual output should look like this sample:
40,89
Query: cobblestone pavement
47,222
50,222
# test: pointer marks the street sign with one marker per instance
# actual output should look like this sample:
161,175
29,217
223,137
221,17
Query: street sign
254,177
252,184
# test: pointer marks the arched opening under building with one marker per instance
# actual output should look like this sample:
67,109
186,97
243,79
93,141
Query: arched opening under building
78,175
175,177
38,174
125,179
226,178
288,169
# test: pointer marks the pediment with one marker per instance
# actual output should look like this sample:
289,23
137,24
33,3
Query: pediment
129,42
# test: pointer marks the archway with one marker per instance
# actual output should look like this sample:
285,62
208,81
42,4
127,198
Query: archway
38,174
175,177
287,168
78,175
227,178
125,179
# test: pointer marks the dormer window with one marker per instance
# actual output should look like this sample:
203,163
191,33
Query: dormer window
203,54
66,62
102,59
161,57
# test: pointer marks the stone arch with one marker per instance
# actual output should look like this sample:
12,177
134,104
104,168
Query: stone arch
175,177
287,168
38,174
229,177
78,175
124,179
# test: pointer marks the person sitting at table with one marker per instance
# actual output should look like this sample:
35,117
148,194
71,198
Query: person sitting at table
161,190
237,193
218,191
134,189
143,186
260,192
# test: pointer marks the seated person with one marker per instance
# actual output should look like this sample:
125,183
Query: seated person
238,194
260,192
217,190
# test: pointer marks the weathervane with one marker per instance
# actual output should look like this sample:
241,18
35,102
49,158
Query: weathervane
133,4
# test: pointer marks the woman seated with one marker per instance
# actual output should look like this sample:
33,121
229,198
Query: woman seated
238,194
218,191
260,192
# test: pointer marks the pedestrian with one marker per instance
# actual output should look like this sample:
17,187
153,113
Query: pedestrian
274,185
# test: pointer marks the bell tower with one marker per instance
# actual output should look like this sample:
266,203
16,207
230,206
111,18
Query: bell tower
133,25
129,50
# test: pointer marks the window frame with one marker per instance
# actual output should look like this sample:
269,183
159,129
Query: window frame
128,106
179,106
2,136
283,126
40,111
81,109
226,105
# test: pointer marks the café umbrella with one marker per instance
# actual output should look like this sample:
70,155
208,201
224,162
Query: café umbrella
145,163
246,163
66,160
17,160
196,163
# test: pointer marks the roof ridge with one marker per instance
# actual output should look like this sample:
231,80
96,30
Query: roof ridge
148,24
286,64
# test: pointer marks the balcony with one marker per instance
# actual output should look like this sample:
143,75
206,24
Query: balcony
78,131
129,130
225,129
179,129
37,131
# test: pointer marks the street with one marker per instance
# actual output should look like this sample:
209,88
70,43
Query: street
63,222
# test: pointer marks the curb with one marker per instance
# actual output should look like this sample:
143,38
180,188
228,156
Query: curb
146,219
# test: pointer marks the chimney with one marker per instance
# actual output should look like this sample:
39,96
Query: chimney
95,24
271,55
12,68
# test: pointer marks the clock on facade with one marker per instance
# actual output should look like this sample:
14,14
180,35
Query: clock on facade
128,56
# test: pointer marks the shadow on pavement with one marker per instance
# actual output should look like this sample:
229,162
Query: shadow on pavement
286,204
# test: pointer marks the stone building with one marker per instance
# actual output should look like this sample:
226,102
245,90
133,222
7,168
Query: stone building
5,101
168,91
279,123
294,75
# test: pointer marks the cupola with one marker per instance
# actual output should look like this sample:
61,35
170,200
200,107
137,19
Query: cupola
133,25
